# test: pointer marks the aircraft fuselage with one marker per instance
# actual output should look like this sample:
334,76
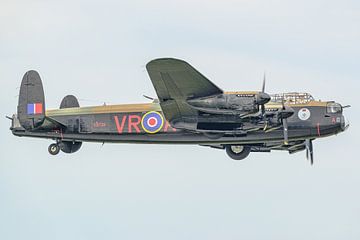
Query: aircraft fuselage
145,123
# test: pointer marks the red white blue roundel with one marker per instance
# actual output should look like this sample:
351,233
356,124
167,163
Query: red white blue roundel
152,122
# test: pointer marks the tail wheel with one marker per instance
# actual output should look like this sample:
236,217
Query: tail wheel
238,152
54,149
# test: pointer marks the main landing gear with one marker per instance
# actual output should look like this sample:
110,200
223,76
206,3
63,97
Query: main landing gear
54,148
237,152
64,146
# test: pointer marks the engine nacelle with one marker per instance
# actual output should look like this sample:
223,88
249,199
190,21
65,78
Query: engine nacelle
234,103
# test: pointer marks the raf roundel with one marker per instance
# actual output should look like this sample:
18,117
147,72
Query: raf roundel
304,114
152,122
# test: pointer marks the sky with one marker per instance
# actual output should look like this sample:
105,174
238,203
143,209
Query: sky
97,50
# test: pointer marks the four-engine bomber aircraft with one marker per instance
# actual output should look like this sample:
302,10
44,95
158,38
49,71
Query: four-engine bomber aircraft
190,109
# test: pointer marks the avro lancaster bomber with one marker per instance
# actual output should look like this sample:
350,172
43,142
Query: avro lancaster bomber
189,109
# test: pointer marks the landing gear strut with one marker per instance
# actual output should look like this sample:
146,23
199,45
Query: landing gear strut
54,149
237,152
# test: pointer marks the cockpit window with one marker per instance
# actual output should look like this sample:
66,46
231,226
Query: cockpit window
333,108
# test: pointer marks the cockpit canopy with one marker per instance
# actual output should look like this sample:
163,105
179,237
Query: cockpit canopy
292,98
333,107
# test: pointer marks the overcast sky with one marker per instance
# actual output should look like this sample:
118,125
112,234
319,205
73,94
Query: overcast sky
97,50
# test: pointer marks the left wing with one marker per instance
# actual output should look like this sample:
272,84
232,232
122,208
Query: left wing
176,81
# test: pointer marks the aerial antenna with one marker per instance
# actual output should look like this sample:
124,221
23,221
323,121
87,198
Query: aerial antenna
93,101
150,98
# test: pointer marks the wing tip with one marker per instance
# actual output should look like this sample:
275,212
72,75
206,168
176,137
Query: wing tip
165,60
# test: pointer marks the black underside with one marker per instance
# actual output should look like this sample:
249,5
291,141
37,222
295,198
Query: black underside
180,137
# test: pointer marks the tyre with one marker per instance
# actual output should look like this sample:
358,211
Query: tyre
54,149
237,152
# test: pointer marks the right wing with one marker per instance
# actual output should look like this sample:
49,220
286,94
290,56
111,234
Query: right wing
176,81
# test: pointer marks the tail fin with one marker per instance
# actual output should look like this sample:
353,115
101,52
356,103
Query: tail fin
31,107
69,101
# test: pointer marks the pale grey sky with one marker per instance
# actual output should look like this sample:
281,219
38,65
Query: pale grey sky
97,50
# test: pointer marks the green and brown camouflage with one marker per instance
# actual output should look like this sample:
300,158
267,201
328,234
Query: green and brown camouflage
190,109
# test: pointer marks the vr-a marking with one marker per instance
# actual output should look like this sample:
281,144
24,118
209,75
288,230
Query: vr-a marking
150,122
132,122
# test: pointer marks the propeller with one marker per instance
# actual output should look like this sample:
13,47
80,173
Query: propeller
285,125
309,150
262,99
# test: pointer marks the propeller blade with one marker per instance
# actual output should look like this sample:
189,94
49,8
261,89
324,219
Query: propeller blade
309,150
284,124
311,153
262,106
283,104
307,154
263,85
286,135
265,126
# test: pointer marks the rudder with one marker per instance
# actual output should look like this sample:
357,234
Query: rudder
31,107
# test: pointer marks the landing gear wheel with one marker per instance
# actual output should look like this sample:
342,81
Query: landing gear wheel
54,149
237,152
